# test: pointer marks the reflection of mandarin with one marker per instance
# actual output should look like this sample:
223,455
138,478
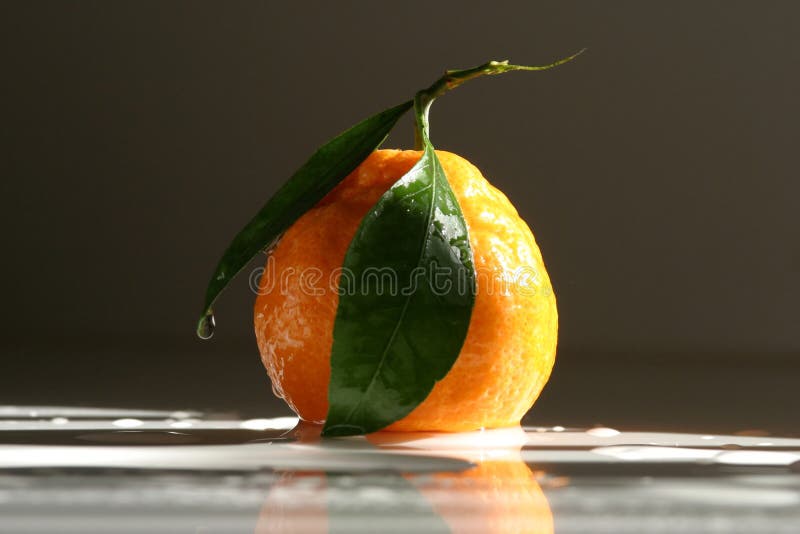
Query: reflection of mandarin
510,345
280,513
499,494
494,496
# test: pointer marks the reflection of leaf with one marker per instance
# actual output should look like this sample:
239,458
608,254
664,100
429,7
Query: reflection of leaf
321,173
379,502
353,486
391,345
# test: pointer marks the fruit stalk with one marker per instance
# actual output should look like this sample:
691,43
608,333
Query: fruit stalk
454,78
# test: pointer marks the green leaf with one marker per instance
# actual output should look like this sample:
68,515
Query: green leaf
322,172
393,341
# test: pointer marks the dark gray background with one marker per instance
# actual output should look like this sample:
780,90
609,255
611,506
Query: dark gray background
658,172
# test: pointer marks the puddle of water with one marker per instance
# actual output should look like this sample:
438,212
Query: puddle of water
153,471
62,413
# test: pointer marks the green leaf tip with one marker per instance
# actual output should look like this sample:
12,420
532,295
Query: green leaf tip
499,67
455,78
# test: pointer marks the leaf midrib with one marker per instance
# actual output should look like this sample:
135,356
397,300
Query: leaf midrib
396,329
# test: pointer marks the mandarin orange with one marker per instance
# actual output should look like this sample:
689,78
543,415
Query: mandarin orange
510,346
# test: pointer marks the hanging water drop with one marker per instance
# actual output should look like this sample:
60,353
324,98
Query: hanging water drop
205,328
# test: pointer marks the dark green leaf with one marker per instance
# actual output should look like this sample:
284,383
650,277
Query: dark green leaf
393,340
321,173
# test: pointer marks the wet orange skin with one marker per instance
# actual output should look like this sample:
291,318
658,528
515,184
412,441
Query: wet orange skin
510,346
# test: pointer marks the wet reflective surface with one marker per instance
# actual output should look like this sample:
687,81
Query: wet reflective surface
97,470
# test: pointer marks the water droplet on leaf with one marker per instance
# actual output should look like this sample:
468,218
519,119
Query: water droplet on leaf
205,328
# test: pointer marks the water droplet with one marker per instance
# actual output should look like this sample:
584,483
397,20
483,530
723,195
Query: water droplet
602,432
558,428
205,328
127,423
59,420
276,423
184,423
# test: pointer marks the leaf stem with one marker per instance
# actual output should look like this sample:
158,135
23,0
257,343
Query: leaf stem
453,78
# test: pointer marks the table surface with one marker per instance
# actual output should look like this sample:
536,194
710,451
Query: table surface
99,470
